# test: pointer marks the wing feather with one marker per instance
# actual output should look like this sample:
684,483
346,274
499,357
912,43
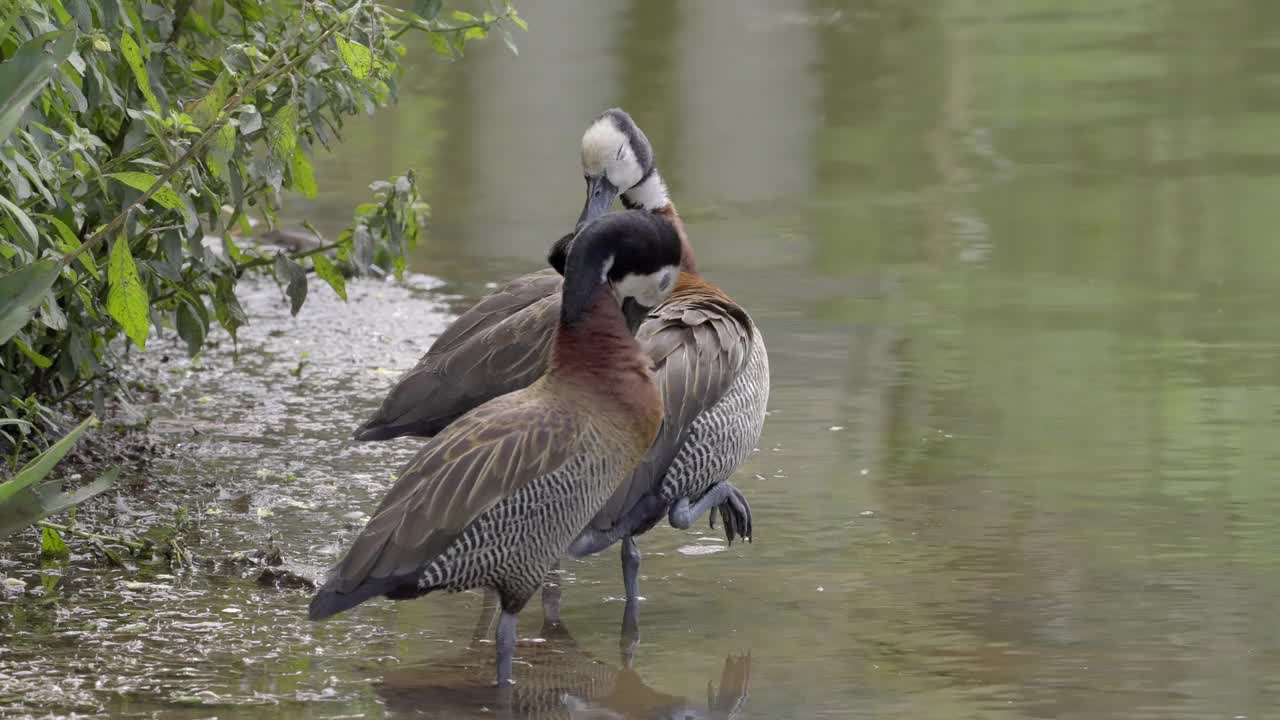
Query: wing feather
699,343
483,457
500,345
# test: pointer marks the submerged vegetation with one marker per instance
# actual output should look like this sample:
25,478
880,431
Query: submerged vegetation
138,142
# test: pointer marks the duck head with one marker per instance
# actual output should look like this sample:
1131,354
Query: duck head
618,159
636,254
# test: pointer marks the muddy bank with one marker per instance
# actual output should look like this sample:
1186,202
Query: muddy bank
247,456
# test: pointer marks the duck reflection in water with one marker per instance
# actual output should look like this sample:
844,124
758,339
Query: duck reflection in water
560,680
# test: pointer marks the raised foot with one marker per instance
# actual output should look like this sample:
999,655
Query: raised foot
638,519
723,499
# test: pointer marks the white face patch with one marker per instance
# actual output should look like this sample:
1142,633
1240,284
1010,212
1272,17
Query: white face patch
607,150
648,290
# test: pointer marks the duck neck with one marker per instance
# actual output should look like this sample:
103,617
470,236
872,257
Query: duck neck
596,351
651,194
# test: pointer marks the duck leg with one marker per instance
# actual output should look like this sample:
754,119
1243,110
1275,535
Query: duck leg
505,639
551,597
726,499
631,615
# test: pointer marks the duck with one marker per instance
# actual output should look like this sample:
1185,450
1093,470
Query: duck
503,342
494,499
711,363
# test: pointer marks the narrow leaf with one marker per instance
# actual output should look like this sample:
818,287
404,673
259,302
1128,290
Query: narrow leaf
24,74
35,503
127,299
21,292
221,149
282,134
24,222
71,243
42,464
40,360
290,272
165,196
303,174
191,328
326,271
357,57
133,56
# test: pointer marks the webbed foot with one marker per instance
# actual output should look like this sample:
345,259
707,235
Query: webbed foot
723,499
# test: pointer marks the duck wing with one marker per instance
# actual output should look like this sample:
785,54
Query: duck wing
699,341
485,456
499,345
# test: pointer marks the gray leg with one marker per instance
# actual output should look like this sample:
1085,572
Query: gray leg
724,497
505,639
631,615
551,597
590,542
631,568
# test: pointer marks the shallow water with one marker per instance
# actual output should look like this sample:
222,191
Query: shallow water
1017,272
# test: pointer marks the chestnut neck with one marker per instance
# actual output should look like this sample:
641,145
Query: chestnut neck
597,349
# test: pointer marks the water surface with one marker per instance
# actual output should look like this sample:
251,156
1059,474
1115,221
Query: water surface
1016,268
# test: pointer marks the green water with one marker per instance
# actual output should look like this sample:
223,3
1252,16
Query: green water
1017,270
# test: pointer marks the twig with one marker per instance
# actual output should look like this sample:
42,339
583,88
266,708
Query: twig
259,262
135,547
264,77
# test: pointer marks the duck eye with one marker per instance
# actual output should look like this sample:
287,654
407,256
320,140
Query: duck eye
665,282
621,149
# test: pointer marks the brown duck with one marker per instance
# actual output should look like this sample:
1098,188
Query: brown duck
709,356
494,500
503,342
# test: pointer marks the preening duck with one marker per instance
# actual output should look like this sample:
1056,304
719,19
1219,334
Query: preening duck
494,499
502,343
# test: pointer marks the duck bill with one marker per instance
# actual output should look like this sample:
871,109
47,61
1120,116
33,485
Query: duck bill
600,195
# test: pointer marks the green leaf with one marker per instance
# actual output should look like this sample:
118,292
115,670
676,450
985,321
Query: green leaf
21,292
40,360
24,74
357,57
42,464
133,56
326,271
226,306
282,133
24,222
127,299
303,174
51,543
164,197
71,243
210,106
221,149
289,271
192,328
31,504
